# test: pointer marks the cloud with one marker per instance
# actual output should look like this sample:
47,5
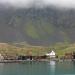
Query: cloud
18,3
61,3
39,3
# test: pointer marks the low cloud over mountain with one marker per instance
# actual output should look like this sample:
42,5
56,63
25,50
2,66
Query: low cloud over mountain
38,3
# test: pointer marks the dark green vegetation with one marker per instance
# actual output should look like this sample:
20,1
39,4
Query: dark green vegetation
37,26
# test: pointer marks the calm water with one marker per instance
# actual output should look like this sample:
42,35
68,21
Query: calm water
38,68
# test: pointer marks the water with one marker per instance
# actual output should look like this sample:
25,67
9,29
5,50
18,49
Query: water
38,68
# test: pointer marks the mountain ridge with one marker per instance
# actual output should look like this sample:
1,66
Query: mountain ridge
37,26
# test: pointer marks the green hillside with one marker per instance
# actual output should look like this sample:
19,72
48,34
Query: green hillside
23,49
37,26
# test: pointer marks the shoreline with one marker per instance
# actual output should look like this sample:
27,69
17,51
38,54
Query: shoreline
22,61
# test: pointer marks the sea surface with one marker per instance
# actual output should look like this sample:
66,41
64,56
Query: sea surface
38,68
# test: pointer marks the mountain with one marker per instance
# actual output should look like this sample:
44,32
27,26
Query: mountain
37,26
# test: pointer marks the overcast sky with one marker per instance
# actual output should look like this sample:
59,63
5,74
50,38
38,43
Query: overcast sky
39,3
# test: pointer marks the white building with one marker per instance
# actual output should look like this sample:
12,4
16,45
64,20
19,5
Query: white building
51,54
1,57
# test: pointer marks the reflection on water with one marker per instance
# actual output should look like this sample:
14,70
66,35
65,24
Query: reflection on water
52,67
38,68
52,63
1,68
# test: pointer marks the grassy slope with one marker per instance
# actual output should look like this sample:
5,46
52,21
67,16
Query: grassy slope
38,30
31,31
59,48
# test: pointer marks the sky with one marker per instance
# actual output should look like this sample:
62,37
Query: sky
39,3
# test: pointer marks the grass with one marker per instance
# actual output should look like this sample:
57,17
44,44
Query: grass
60,49
48,28
31,31
41,30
